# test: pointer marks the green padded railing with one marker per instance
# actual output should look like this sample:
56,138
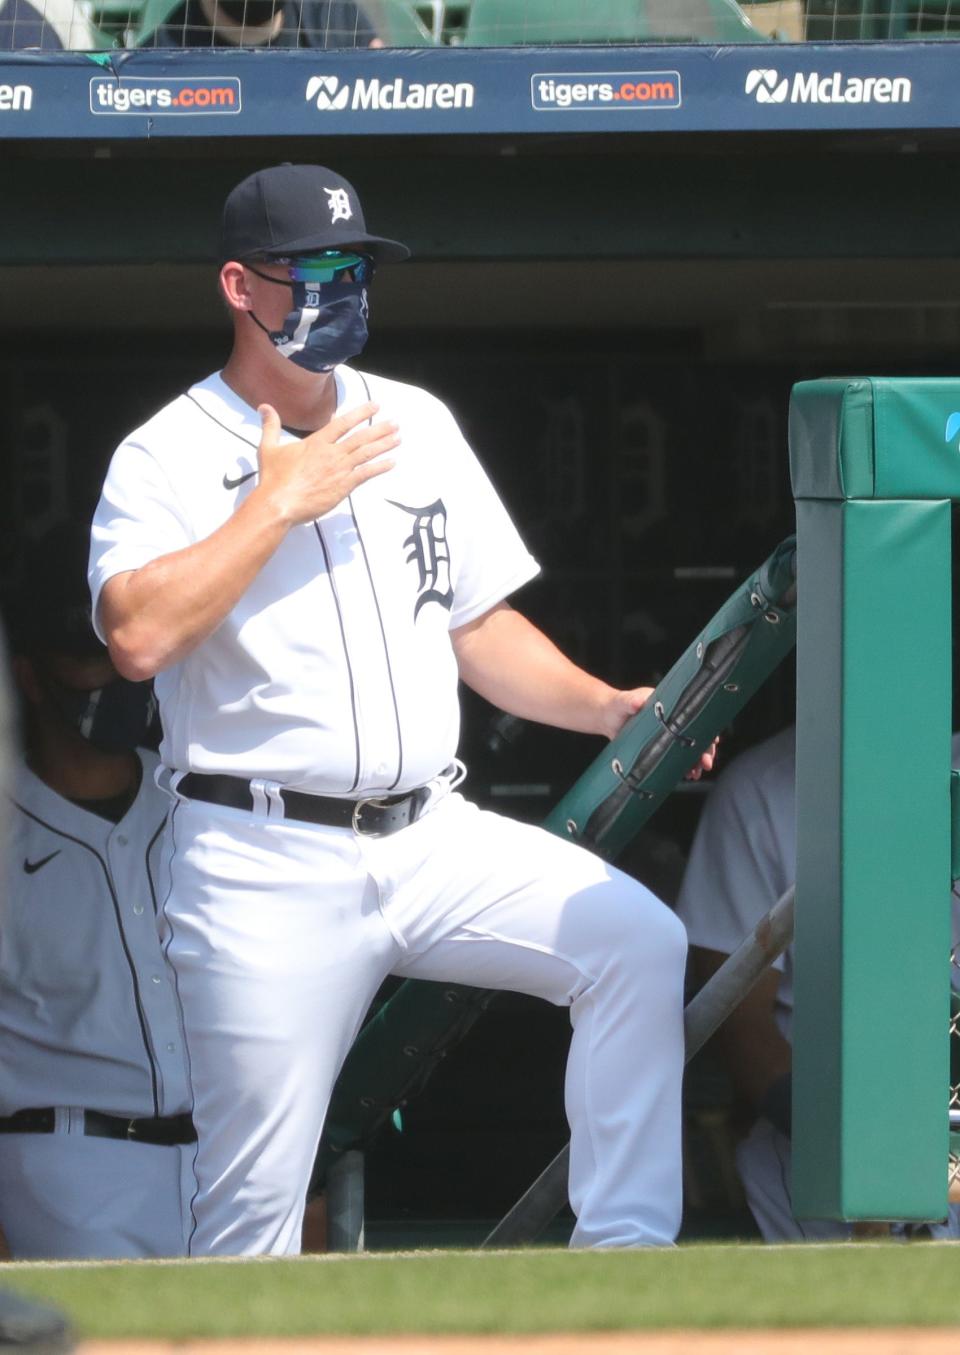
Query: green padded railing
699,696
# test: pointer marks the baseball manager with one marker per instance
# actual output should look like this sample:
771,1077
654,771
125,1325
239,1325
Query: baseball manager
307,558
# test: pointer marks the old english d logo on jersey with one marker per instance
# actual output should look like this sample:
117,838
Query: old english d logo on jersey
429,548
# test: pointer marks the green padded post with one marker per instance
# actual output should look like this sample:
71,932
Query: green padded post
873,475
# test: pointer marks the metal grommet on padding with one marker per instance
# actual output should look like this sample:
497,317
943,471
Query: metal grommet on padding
674,733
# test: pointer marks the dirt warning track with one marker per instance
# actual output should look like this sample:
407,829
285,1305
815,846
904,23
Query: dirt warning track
796,1341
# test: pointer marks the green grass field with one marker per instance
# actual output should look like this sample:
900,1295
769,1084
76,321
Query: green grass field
525,1291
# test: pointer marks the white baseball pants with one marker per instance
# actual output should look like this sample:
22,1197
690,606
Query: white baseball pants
280,934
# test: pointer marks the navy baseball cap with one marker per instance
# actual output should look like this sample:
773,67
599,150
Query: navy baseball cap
299,209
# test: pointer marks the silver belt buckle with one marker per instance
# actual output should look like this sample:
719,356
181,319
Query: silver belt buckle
358,810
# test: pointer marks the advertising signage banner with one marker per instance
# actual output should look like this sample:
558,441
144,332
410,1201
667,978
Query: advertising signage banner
512,91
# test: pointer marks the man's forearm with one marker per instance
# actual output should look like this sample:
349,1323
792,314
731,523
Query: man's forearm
154,616
511,663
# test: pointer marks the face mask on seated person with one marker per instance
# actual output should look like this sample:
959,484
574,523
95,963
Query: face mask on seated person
328,323
114,717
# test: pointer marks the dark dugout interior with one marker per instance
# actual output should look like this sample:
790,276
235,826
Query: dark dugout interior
617,323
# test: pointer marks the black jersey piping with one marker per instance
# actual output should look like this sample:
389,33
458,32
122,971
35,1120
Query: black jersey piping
346,655
183,1024
146,862
233,433
383,633
386,651
123,941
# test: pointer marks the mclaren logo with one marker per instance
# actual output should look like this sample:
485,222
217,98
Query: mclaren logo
16,98
767,86
810,87
393,96
325,89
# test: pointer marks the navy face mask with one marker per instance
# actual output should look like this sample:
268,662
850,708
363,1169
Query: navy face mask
328,323
114,718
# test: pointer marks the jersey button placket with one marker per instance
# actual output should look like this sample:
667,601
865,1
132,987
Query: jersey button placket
375,702
344,588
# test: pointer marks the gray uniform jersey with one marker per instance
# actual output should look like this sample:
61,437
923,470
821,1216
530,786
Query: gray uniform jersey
88,1013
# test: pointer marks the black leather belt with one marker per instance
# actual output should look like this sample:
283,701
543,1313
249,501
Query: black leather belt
375,816
164,1132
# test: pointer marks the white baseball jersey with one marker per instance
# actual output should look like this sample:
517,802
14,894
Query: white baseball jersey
88,1015
742,860
334,673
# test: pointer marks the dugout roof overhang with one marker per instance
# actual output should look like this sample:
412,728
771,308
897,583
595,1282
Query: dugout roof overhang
655,162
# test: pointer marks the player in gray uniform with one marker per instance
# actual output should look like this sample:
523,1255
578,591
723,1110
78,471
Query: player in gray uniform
96,1139
308,581
743,859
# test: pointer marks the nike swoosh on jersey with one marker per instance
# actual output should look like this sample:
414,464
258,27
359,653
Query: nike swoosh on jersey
31,866
232,484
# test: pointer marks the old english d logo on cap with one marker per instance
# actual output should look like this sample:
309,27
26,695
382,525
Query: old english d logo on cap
339,204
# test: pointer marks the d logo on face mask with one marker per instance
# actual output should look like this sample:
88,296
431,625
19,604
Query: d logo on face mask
327,326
